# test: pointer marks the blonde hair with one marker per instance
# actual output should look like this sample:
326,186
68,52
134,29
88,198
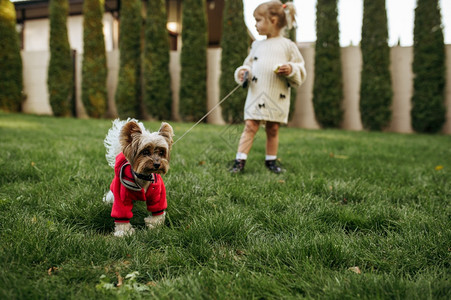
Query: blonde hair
285,13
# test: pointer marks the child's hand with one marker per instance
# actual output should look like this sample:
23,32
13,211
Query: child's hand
241,75
284,70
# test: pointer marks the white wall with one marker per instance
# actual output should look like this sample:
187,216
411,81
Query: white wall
35,82
36,33
303,115
402,83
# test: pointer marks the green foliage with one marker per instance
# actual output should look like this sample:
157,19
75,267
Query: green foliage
125,287
60,72
11,82
128,91
428,108
94,70
375,89
193,90
328,87
234,44
377,201
157,79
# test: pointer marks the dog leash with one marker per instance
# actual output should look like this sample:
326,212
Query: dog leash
206,115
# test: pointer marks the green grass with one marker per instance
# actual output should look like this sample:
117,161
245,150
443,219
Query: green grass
376,201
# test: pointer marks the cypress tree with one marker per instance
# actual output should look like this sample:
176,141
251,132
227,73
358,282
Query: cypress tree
157,80
193,94
128,91
94,70
328,87
11,82
234,44
375,89
428,108
60,73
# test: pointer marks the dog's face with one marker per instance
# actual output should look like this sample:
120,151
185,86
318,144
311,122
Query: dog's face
147,152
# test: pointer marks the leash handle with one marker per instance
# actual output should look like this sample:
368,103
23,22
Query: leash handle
245,79
214,107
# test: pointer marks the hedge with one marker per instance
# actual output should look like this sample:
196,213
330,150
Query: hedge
157,79
375,89
428,107
128,91
193,90
234,44
60,72
328,86
11,82
94,70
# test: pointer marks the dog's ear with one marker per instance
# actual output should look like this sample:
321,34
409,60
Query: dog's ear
130,131
167,132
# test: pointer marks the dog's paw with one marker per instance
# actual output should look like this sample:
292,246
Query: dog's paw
123,229
153,222
108,197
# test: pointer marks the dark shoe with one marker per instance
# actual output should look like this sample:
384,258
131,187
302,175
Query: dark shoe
238,166
274,166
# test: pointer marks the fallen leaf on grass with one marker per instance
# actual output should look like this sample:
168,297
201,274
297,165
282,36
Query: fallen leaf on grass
355,270
240,252
120,280
52,270
438,168
338,156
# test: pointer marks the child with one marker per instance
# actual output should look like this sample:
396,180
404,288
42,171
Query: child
272,66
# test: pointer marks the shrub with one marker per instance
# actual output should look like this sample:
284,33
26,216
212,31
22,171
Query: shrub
234,44
328,87
157,80
11,82
193,90
375,88
428,108
128,91
60,72
94,70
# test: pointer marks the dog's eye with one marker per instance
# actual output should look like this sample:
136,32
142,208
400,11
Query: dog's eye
145,152
160,152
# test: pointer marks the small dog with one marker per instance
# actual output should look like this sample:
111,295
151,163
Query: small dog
138,158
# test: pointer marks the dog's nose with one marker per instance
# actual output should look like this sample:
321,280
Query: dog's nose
156,165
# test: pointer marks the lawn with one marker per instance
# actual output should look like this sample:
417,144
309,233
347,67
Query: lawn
356,215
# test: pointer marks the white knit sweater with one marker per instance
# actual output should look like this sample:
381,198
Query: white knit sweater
268,97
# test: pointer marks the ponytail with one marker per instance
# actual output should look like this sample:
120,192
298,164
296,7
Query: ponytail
290,14
285,13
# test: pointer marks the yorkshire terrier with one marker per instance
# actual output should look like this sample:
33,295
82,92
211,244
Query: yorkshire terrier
138,157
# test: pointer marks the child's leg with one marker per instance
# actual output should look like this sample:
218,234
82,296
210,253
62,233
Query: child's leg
246,140
247,137
272,145
272,138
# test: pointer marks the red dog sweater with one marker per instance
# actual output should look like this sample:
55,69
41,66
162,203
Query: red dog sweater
125,191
